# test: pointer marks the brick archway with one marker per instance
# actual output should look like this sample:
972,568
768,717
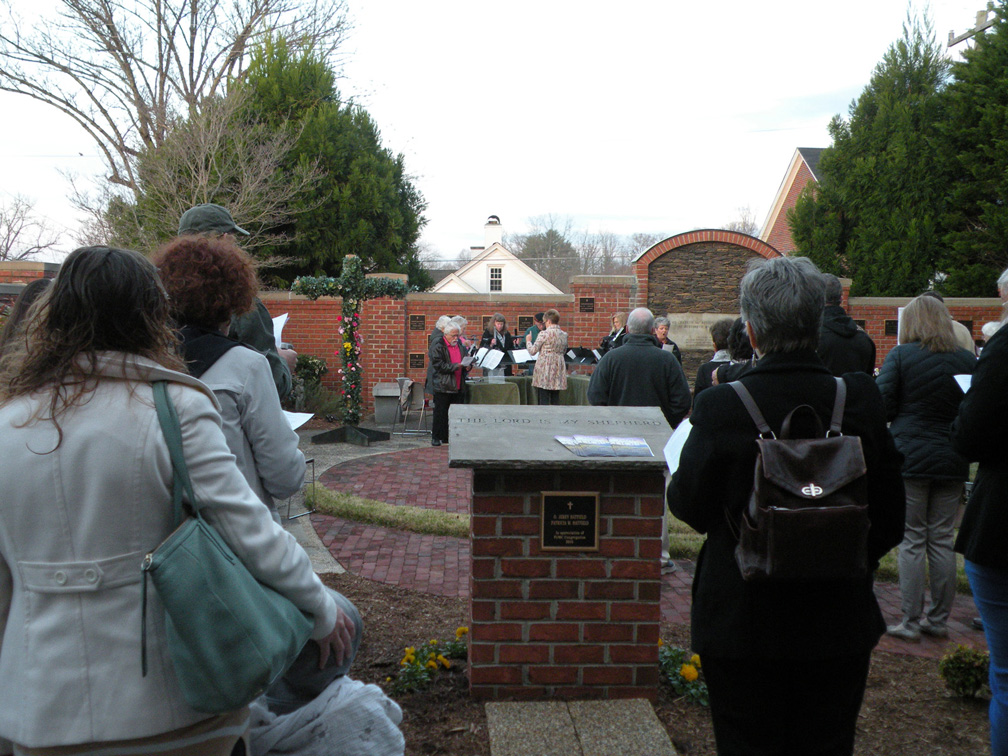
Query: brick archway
697,271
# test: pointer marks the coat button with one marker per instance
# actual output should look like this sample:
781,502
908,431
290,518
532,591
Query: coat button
60,577
91,575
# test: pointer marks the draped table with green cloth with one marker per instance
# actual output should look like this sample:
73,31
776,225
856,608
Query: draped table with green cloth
493,393
518,389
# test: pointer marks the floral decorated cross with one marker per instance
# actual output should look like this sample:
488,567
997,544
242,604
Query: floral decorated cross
354,288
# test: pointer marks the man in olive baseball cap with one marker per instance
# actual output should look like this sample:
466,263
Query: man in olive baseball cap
254,328
209,219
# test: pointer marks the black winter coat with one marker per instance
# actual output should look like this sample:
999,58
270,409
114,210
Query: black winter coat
843,347
638,375
980,434
807,621
922,399
443,378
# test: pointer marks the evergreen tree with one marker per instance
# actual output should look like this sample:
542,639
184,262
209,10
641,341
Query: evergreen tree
875,215
364,204
975,156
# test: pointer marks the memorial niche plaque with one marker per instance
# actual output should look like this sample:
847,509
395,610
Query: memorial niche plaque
570,521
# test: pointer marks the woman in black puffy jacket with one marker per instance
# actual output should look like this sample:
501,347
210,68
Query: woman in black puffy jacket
922,399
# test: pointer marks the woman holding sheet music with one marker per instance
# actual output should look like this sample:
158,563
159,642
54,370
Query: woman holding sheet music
550,374
497,337
449,374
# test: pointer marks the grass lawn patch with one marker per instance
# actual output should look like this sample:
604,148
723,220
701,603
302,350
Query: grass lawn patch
401,517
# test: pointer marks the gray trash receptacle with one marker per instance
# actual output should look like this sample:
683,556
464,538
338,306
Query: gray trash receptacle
386,397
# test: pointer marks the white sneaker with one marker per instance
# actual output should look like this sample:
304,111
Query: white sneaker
903,632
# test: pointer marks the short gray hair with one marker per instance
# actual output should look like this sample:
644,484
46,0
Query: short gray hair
452,326
782,299
660,321
1003,281
442,322
460,322
640,320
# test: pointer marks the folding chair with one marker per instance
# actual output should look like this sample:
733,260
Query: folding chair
307,511
415,402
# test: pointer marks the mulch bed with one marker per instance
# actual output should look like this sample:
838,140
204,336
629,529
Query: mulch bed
906,709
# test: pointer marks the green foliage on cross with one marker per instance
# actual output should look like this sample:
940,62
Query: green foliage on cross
354,288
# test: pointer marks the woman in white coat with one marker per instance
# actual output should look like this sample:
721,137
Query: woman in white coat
85,482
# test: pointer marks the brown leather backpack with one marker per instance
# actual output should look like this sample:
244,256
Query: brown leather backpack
807,517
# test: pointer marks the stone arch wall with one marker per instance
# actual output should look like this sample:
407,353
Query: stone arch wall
697,272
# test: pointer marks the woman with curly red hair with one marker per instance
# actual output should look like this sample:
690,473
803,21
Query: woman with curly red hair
209,280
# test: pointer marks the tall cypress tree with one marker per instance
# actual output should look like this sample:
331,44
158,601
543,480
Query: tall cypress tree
875,214
975,157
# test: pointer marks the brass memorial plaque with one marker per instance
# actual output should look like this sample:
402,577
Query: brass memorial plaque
570,521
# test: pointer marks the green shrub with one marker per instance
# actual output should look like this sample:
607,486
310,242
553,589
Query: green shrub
965,670
310,369
321,401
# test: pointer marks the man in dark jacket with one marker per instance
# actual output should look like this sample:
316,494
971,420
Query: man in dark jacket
843,346
638,375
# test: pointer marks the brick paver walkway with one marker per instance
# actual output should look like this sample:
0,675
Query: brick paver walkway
440,564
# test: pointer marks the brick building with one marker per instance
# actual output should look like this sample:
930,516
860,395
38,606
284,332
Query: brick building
800,173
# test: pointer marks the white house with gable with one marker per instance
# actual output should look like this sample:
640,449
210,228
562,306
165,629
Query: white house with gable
494,270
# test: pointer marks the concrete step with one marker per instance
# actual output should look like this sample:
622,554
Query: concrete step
628,727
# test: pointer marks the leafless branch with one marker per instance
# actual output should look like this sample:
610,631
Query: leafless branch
22,233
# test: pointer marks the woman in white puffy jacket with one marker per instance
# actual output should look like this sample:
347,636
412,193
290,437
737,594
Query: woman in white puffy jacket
85,482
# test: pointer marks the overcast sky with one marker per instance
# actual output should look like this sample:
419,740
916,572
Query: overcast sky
636,116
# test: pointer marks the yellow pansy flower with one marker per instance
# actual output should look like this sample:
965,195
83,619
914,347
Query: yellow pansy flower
695,660
688,672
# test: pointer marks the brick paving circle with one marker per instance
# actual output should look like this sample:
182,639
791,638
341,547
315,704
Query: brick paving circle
440,564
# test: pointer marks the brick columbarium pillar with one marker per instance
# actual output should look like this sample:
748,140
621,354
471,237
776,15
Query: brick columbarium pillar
565,579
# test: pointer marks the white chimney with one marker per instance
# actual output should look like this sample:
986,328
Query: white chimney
493,232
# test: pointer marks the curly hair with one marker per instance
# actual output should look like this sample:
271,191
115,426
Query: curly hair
102,299
209,279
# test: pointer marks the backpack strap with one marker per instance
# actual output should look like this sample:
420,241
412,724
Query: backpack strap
838,409
754,412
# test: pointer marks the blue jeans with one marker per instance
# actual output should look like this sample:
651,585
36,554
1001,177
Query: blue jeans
303,681
990,593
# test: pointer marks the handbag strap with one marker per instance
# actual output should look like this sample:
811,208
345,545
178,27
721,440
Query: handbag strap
168,418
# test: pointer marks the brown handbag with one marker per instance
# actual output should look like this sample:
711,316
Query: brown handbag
807,517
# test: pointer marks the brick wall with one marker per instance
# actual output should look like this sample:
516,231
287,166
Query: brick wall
26,271
880,316
387,325
548,624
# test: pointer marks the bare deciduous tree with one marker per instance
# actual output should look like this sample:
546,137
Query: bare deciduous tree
746,222
217,155
125,70
22,233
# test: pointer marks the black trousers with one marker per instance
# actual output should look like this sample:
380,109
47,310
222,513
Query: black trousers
442,401
785,707
548,396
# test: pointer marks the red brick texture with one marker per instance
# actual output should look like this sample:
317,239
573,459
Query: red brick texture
779,236
557,624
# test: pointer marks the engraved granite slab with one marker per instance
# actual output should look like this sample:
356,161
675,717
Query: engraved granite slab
512,437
